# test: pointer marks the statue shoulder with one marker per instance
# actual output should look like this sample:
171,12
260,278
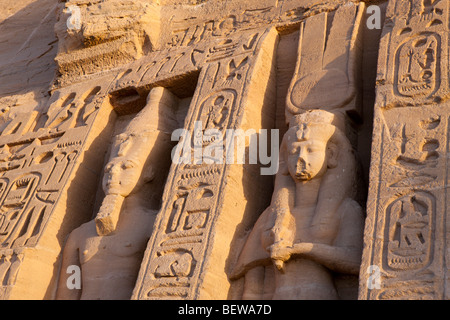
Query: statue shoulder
351,208
84,231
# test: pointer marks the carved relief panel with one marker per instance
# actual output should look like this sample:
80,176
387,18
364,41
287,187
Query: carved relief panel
405,232
412,59
180,246
39,152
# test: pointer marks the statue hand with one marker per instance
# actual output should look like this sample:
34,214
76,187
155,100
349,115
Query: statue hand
283,253
280,252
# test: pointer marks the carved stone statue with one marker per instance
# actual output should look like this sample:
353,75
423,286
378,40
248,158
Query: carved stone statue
107,21
109,249
313,228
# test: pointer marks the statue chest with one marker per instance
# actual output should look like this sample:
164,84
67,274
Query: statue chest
303,217
108,247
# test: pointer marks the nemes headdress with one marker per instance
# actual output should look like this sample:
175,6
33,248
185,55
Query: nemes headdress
145,124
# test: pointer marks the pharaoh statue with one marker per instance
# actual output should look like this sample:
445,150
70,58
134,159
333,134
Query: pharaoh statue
313,228
109,249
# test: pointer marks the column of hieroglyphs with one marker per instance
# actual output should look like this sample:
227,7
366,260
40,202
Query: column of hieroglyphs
406,242
204,202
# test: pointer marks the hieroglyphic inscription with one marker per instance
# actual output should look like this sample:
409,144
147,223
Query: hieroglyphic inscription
37,153
191,30
167,64
417,71
414,54
181,246
410,226
409,203
405,232
175,257
192,211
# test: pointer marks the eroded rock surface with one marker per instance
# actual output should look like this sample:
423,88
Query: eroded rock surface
117,118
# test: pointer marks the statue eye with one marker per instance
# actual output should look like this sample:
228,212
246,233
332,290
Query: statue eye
108,167
128,165
293,150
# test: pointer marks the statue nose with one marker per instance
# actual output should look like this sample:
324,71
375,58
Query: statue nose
302,153
301,162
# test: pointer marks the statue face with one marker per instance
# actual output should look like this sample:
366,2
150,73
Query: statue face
123,172
306,159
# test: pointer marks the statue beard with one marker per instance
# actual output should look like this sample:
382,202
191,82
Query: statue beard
108,215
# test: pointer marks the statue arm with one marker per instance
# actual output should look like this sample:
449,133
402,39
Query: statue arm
70,257
339,259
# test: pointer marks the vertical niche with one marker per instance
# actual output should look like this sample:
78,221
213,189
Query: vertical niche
127,103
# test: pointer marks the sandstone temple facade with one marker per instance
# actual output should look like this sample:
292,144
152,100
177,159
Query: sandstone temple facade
224,149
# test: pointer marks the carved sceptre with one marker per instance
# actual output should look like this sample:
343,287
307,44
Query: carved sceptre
281,232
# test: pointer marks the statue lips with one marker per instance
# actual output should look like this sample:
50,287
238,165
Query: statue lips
112,185
303,175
